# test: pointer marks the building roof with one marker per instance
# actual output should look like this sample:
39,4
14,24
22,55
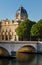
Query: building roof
21,10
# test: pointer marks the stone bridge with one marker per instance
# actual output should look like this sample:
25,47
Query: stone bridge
14,46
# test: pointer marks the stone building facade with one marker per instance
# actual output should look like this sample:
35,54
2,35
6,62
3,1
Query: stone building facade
8,27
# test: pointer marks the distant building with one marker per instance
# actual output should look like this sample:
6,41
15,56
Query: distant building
8,27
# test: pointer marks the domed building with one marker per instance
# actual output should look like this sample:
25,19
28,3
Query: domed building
8,27
21,14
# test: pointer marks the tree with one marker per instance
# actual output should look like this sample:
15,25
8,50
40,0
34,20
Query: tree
36,29
24,28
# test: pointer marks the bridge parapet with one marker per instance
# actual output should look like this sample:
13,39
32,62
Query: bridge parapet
14,46
19,42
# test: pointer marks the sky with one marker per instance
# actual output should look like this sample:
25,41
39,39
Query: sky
8,8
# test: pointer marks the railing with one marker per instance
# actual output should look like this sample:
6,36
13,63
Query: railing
21,42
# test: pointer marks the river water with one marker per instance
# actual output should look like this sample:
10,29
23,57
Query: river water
24,59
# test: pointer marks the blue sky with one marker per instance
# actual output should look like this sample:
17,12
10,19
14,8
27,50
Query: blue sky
8,8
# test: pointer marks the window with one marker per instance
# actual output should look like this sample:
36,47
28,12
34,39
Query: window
6,30
6,37
6,23
2,37
15,37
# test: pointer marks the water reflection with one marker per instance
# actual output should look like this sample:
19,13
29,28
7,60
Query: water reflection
29,59
24,57
39,59
4,61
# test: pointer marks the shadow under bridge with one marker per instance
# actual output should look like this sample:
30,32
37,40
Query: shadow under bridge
3,52
26,49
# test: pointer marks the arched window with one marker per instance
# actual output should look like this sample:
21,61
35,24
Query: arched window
6,30
15,38
10,37
6,35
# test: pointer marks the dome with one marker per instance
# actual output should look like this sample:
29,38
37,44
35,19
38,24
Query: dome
22,12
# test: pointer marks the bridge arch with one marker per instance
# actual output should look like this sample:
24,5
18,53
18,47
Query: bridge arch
3,52
27,48
22,54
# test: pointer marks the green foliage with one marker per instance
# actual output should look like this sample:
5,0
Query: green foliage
24,28
36,29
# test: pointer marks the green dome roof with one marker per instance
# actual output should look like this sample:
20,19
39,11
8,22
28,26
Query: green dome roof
22,11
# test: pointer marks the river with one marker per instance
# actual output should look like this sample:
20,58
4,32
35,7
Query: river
24,59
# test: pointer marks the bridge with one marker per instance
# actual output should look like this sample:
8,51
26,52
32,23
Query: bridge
16,45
